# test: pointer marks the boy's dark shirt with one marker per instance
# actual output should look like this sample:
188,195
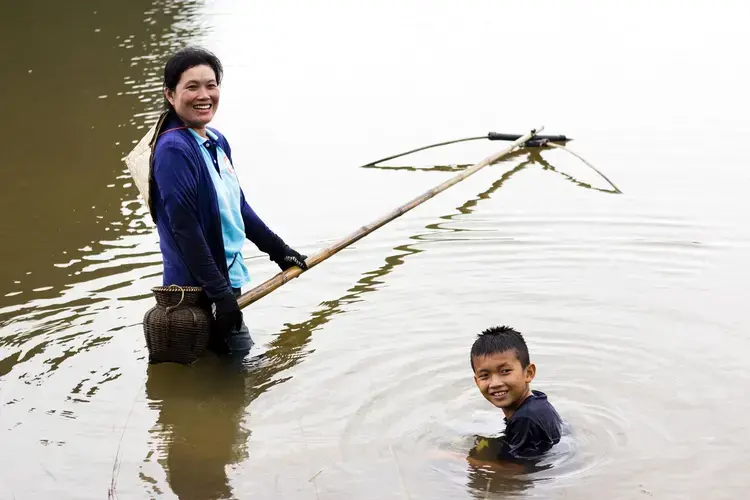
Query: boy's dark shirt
531,431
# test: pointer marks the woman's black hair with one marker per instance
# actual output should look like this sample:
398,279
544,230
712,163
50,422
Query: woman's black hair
183,60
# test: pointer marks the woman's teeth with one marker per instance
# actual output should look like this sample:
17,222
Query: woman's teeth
202,106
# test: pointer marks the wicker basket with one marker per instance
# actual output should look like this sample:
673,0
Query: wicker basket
178,327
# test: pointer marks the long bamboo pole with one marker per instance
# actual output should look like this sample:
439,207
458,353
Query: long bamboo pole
283,277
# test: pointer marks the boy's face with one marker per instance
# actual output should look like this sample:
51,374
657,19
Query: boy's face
501,379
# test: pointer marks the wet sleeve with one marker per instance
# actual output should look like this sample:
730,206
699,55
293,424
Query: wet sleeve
526,439
178,186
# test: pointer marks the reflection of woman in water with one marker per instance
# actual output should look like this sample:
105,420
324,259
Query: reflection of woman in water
199,428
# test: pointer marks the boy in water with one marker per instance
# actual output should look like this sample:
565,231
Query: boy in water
503,372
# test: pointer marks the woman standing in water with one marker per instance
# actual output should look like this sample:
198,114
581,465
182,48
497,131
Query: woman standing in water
199,208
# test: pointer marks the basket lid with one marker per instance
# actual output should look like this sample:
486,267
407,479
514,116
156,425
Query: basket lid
174,295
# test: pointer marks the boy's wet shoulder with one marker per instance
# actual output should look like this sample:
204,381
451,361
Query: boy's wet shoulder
533,429
537,408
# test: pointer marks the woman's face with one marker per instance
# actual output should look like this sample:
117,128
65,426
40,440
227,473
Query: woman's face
196,96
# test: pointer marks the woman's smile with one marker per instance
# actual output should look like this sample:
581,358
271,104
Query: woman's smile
196,97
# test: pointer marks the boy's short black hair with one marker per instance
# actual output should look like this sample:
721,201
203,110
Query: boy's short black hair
500,339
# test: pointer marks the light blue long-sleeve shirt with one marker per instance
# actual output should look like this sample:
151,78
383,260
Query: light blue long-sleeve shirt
228,194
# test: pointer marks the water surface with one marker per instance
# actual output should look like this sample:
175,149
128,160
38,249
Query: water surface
359,385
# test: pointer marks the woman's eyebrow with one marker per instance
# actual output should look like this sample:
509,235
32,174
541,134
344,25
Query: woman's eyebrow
211,80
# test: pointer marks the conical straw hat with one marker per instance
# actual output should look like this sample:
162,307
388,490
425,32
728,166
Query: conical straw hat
139,159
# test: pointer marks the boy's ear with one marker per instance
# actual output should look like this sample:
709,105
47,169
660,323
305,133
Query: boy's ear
530,372
476,380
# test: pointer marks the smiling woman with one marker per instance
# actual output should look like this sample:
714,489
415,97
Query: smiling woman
196,200
193,93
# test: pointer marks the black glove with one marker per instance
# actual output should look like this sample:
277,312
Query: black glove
228,318
290,257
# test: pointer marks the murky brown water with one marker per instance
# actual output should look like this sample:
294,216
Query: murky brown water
359,384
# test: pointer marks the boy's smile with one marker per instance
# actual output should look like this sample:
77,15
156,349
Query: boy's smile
502,380
498,395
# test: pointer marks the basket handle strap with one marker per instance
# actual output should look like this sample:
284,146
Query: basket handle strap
182,297
169,309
